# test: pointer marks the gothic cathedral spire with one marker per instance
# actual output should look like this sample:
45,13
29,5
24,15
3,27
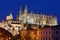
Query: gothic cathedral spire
25,14
20,13
11,16
17,17
26,9
10,13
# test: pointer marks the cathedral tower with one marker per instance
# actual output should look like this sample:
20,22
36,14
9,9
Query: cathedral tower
17,17
25,14
20,13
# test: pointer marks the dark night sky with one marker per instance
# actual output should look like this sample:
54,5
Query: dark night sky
48,7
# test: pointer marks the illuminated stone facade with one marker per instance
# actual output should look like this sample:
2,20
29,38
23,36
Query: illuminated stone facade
5,35
10,17
46,33
36,18
25,18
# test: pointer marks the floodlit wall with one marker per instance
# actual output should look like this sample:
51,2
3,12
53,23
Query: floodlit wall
40,34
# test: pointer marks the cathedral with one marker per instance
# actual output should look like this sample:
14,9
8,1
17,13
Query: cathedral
29,26
23,18
36,18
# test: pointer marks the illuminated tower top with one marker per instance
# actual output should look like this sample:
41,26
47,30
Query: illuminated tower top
10,17
20,13
26,9
25,14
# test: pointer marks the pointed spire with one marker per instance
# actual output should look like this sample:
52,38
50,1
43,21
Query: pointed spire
20,10
10,17
20,13
17,17
31,13
26,9
10,13
25,14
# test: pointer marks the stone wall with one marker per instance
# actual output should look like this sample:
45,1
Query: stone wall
40,34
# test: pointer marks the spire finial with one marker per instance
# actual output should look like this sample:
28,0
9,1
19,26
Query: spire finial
20,9
17,17
26,9
25,6
20,13
10,13
31,13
